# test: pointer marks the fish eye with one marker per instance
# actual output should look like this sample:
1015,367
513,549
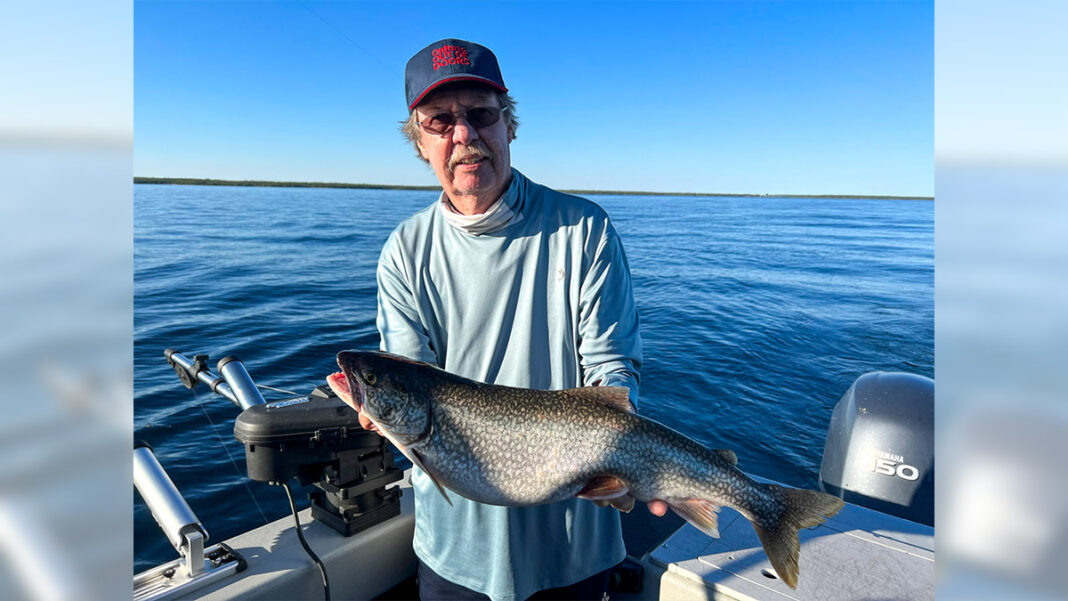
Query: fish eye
369,377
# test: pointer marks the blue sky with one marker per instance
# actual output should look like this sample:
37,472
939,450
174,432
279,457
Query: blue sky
731,97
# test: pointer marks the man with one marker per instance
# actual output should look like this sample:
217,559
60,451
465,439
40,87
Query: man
508,282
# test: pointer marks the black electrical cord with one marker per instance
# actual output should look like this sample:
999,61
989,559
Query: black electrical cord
304,543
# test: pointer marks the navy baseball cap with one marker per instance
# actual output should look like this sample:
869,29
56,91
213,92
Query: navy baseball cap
447,61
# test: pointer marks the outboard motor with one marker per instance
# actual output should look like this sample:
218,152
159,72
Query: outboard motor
880,446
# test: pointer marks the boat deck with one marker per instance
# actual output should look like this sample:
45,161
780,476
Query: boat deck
857,554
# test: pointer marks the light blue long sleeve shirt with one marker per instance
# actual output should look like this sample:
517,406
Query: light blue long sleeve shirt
543,302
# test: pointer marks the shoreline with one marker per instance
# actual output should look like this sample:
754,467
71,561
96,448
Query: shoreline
191,181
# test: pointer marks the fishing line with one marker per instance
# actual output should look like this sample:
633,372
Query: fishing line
222,443
364,52
304,543
265,387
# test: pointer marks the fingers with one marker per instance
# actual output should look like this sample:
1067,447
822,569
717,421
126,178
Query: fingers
367,424
658,507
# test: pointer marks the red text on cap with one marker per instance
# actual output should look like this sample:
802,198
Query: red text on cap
450,55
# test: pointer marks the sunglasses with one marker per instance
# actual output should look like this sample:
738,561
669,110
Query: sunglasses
478,117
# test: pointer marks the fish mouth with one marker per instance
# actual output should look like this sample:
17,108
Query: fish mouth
342,384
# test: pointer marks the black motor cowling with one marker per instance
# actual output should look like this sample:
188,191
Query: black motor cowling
880,446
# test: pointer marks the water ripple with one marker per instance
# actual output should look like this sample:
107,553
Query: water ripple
756,316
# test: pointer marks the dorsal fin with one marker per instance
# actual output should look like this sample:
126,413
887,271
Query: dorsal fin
613,396
727,455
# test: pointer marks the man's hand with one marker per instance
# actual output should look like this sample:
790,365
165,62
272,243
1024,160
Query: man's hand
658,507
367,424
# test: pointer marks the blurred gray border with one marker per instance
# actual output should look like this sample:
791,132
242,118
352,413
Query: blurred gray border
1001,292
66,277
66,268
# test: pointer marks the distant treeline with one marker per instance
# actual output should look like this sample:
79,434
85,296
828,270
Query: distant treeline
191,181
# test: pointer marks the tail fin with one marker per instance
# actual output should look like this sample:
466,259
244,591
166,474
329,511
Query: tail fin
778,534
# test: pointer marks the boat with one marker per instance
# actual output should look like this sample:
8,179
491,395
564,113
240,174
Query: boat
354,541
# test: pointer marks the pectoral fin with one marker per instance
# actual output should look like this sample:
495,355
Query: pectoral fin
699,512
417,460
624,503
603,488
608,490
414,458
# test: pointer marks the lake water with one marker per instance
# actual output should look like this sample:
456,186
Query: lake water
756,316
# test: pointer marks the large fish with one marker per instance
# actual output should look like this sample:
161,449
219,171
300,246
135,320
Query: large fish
517,447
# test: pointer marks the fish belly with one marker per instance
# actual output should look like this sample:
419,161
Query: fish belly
518,467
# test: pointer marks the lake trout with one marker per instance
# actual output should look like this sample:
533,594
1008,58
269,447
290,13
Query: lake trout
517,447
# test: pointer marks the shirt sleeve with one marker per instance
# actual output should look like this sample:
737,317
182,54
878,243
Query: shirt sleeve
399,323
610,346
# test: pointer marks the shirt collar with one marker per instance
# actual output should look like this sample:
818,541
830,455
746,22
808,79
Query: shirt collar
500,215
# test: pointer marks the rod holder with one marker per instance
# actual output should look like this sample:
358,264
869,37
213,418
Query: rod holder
240,382
191,371
169,509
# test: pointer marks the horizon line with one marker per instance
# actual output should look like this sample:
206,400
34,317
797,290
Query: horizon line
193,181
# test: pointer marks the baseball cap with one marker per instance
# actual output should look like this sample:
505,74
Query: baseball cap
446,61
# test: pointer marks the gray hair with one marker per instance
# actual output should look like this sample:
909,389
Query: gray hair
411,130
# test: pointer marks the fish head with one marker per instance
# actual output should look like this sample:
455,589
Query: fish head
388,390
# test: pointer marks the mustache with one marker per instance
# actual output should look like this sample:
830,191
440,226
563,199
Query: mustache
477,149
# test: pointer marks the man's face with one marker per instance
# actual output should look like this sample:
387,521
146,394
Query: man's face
473,165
